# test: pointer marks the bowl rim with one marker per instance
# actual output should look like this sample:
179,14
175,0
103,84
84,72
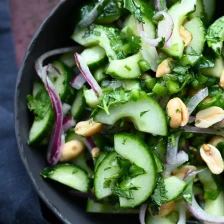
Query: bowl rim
16,120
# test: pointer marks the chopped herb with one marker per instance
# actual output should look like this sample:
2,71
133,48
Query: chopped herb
107,168
122,123
136,171
124,141
127,67
106,183
134,9
143,112
122,193
177,110
161,43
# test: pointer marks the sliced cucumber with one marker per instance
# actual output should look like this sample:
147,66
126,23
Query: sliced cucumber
172,218
136,151
37,87
99,159
97,207
79,105
127,68
100,74
131,84
69,175
174,187
179,13
209,6
196,27
94,57
216,71
68,59
211,188
40,129
215,207
62,82
199,11
105,170
91,98
146,114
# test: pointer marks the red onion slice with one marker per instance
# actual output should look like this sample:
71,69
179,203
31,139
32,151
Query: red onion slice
209,131
200,214
160,5
196,99
65,108
90,142
84,69
53,69
78,82
142,212
165,29
68,123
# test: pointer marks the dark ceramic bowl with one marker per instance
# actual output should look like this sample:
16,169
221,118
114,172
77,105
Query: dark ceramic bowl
54,33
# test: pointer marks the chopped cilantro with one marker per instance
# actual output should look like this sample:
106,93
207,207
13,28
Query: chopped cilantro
143,112
124,141
177,110
134,9
161,43
122,193
136,171
127,67
122,123
106,183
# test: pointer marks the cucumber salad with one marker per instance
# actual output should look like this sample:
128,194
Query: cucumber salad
132,115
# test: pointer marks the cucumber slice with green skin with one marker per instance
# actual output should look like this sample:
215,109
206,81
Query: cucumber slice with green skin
172,218
146,114
127,68
148,52
215,35
62,82
211,188
37,87
209,6
199,11
97,207
136,151
216,71
103,171
94,57
160,166
100,74
40,129
79,105
69,175
179,13
196,27
99,159
91,98
215,207
68,59
131,84
174,187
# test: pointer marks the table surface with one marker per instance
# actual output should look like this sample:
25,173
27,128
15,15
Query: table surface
27,15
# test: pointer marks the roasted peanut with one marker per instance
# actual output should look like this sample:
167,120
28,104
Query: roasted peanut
165,209
71,150
181,173
207,117
88,128
212,157
178,113
95,152
216,140
164,68
185,36
221,82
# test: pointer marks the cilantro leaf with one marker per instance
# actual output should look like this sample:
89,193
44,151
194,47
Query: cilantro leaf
205,62
122,193
136,171
161,43
143,112
40,104
134,9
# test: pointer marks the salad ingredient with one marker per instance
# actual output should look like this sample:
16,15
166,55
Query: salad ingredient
177,112
213,158
216,140
171,218
88,128
95,152
197,33
87,74
186,36
164,68
70,175
78,82
221,83
147,110
71,150
166,209
207,117
215,36
142,157
183,171
91,98
142,212
65,108
68,123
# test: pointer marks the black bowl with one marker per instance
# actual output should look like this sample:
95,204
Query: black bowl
54,33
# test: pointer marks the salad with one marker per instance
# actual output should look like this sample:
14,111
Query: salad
133,114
